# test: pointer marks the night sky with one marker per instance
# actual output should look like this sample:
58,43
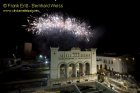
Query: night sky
117,22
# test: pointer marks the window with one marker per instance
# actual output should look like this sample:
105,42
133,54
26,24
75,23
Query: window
104,61
98,59
111,62
89,55
112,69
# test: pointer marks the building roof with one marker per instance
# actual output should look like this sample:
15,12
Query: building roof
109,54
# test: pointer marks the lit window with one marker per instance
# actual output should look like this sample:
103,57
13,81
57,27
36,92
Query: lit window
114,59
133,58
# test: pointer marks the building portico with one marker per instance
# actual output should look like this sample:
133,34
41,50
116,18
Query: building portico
73,63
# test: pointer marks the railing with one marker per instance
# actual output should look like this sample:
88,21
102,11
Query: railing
104,88
78,90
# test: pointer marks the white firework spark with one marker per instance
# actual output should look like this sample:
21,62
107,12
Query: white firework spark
55,23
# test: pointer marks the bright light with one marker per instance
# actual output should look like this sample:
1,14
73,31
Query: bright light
45,57
40,56
120,59
46,62
133,58
114,59
126,58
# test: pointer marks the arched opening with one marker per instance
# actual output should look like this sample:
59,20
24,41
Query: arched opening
105,67
109,68
63,72
101,66
87,69
97,67
81,73
71,70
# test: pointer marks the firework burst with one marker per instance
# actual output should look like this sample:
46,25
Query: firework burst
54,23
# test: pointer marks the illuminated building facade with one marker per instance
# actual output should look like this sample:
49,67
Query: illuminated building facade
72,63
114,64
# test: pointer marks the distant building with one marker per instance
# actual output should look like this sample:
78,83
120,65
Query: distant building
27,48
115,64
72,63
28,52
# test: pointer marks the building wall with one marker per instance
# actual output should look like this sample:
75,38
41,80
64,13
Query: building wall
27,48
74,57
112,63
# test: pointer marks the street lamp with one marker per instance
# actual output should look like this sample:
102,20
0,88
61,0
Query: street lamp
40,56
46,62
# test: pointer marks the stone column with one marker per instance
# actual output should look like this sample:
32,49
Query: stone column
67,71
83,70
75,70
